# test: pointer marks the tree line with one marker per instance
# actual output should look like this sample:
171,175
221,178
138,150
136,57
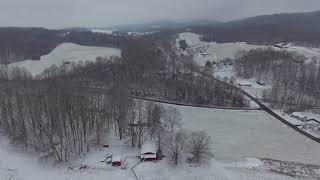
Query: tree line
59,119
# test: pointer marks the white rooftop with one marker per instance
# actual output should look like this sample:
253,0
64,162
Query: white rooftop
149,147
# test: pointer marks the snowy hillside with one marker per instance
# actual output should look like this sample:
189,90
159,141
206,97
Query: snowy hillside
212,51
309,53
66,52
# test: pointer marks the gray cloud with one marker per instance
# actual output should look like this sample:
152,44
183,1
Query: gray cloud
103,13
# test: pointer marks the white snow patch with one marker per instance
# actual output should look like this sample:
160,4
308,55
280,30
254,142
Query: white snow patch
309,53
66,52
217,51
191,38
241,134
215,170
307,115
102,31
287,117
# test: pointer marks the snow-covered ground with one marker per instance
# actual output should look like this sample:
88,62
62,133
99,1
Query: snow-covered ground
19,165
66,52
239,137
215,170
212,51
308,120
309,53
288,117
308,115
242,134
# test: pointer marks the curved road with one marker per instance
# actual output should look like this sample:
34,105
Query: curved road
269,111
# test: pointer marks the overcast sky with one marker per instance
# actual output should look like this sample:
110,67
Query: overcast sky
104,13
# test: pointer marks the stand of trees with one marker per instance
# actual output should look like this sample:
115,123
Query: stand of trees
55,118
62,119
295,80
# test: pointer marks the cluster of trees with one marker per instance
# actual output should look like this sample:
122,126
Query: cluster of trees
55,118
295,80
192,88
195,145
65,119
14,73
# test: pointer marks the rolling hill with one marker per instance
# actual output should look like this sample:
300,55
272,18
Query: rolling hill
302,28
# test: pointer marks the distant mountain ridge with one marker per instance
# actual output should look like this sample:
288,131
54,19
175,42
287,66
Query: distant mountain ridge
18,44
284,27
163,25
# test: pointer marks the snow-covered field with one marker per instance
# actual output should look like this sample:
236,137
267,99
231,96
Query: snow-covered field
212,51
237,136
255,134
215,170
66,52
309,53
19,165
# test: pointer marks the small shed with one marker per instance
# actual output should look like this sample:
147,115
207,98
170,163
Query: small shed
149,151
116,160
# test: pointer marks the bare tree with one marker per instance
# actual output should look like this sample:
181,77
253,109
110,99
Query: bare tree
175,145
172,119
200,146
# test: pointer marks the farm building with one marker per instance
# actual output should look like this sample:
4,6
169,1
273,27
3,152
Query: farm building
116,160
149,151
261,83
